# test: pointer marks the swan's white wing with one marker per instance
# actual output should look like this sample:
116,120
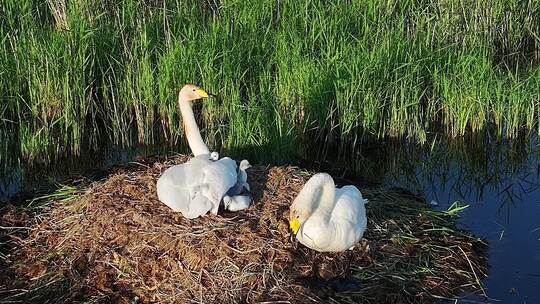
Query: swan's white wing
188,173
219,176
173,188
350,208
180,186
346,226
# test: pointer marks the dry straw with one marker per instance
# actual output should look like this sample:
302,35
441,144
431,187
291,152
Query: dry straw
115,242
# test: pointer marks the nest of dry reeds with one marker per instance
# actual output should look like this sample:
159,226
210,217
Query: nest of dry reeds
115,242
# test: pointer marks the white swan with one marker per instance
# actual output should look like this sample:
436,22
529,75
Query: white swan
242,174
237,202
326,218
197,186
242,185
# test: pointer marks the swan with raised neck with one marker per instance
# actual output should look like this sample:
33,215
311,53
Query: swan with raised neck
187,95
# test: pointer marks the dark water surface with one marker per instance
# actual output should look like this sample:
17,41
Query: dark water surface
499,180
501,184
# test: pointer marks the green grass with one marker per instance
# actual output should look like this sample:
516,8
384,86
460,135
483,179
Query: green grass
289,73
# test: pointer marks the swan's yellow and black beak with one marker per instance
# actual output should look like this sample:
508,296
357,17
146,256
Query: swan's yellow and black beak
294,225
204,94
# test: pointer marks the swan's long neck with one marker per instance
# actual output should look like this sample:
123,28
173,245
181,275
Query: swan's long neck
319,195
191,129
327,197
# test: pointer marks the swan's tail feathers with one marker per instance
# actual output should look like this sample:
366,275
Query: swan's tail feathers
365,201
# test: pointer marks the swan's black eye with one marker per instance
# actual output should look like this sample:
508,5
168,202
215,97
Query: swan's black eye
194,90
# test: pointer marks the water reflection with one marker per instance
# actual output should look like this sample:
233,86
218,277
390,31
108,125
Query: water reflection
500,180
510,168
23,180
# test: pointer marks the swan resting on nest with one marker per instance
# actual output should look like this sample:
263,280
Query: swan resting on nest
328,219
198,186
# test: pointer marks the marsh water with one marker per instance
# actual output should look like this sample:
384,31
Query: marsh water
498,179
501,184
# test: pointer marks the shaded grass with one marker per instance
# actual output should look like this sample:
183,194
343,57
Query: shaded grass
289,73
113,242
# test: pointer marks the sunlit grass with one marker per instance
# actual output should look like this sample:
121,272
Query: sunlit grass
288,73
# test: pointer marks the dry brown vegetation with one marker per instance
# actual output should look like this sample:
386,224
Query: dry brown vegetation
115,242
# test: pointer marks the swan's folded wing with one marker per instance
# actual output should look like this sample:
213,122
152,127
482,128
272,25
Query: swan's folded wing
350,205
354,202
181,184
219,177
172,188
187,174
